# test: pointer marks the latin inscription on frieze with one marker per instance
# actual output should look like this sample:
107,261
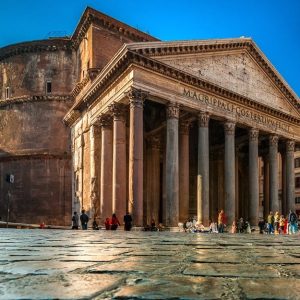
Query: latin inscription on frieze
237,110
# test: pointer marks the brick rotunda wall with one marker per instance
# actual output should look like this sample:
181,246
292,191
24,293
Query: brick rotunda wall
34,142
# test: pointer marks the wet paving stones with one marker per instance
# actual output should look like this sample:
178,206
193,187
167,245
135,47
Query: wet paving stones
53,264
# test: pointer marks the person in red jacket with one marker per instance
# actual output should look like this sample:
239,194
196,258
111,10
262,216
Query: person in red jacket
114,222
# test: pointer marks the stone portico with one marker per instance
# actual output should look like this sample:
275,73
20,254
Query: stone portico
167,127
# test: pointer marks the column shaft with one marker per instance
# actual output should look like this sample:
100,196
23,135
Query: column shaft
266,186
253,177
172,164
290,176
136,143
106,168
153,179
94,170
273,159
229,172
184,174
119,161
203,168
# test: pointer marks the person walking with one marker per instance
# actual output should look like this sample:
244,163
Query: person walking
114,222
127,222
75,221
84,219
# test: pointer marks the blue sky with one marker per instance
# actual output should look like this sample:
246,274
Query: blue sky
273,24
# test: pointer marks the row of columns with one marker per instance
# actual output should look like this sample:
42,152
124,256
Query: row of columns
174,196
113,177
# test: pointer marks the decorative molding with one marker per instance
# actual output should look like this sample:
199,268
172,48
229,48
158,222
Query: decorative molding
184,127
50,45
229,128
136,97
118,110
103,81
203,119
290,146
253,134
273,140
92,16
211,46
28,156
172,110
104,120
154,142
71,117
34,98
95,130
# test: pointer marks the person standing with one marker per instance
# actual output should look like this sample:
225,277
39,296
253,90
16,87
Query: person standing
84,219
127,222
261,225
276,222
75,221
114,222
281,224
270,222
293,222
221,221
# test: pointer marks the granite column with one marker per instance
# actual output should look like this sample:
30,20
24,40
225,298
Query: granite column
172,165
229,128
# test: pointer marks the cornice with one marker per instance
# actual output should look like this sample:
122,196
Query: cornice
35,156
193,47
34,98
91,16
128,58
50,45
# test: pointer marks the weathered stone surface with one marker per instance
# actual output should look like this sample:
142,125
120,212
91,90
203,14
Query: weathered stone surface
275,289
173,287
60,286
51,264
231,270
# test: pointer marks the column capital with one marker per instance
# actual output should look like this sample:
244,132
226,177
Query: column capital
104,120
118,111
253,134
273,140
95,128
154,142
136,94
136,97
203,119
229,127
173,110
184,127
290,146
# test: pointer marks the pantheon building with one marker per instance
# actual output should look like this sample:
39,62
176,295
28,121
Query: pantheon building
112,120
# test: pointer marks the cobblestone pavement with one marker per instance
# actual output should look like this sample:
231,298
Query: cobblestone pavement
53,264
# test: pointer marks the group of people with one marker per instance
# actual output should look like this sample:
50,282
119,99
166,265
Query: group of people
110,223
279,224
276,224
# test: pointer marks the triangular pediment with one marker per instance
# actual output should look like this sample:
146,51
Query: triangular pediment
231,66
